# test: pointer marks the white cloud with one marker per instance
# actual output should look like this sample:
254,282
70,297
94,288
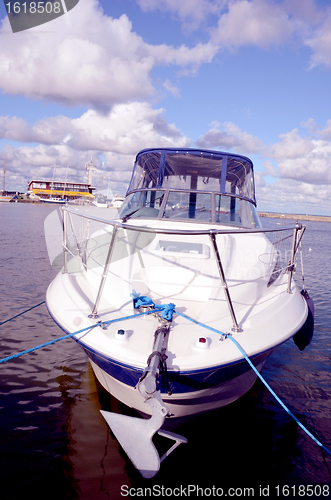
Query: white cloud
47,131
125,129
171,88
303,158
192,13
43,161
320,42
295,174
230,138
291,146
306,11
26,159
184,56
291,196
95,60
261,23
310,124
296,171
325,133
116,136
15,129
269,169
89,59
258,22
240,22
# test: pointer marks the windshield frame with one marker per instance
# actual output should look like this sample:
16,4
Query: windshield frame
132,213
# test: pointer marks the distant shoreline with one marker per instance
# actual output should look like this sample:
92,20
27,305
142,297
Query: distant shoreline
320,218
276,215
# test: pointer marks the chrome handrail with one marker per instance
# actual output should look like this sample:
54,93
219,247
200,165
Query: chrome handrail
295,245
94,313
65,242
238,230
235,328
211,232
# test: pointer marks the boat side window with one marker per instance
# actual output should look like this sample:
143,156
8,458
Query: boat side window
144,203
248,215
227,209
188,205
233,210
146,172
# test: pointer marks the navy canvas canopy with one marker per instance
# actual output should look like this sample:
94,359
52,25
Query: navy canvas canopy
194,169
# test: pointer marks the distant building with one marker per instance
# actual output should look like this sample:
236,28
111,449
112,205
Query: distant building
67,190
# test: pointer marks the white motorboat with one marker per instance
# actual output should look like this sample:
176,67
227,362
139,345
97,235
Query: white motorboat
100,202
54,200
6,197
117,201
157,294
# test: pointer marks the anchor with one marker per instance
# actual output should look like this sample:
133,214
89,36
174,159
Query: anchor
135,434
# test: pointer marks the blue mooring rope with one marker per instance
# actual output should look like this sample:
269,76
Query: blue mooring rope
276,397
100,323
167,313
20,314
18,354
229,336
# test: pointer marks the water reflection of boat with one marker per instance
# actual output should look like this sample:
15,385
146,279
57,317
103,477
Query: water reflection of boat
185,265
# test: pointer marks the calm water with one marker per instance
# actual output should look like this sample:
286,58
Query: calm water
55,444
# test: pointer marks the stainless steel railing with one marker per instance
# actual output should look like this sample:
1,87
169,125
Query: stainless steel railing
297,229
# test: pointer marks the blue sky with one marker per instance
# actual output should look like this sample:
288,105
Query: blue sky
112,77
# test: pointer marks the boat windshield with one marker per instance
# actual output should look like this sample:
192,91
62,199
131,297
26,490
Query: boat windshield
145,203
197,170
189,206
200,185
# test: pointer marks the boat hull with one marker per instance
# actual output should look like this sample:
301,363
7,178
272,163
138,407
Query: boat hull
192,392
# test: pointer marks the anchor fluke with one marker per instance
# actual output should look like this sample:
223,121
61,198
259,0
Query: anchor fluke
135,437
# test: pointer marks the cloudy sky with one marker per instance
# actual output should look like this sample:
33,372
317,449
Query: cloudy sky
112,77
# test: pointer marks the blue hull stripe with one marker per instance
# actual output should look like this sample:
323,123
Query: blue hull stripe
180,382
